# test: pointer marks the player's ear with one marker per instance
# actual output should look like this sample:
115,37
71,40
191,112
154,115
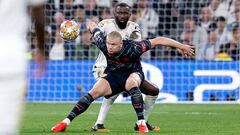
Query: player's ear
114,13
121,43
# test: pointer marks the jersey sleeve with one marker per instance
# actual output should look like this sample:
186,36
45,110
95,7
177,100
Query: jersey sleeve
140,47
135,31
100,40
138,32
101,26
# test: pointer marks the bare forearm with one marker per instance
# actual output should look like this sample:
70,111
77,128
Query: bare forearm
165,42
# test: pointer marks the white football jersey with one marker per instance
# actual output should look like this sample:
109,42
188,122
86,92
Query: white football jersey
13,62
14,17
13,14
109,25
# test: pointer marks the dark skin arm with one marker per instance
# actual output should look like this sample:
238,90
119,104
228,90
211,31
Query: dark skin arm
39,19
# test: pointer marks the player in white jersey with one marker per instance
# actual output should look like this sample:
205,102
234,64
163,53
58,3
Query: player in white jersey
127,29
12,58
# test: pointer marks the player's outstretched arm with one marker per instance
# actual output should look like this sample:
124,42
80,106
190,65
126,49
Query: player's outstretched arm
98,36
186,49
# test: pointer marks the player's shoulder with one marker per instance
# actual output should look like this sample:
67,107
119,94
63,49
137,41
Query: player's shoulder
105,22
132,24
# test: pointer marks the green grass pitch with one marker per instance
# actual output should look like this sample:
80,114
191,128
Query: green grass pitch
173,119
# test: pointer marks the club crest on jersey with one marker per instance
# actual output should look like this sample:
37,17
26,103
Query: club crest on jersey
144,48
125,59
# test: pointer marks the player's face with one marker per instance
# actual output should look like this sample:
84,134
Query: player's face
122,15
114,45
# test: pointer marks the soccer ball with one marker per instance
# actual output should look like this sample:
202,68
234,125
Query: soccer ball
69,30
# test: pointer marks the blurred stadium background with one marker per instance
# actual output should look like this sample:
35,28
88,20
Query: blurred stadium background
211,26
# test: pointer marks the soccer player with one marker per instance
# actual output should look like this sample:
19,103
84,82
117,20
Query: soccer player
127,29
123,72
12,58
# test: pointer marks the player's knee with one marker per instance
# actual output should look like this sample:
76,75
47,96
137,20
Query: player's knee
95,93
155,91
130,83
152,90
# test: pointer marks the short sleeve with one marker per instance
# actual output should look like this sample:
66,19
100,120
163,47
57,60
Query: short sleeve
101,25
138,32
143,46
138,48
135,32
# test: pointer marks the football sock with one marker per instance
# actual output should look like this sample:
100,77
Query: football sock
81,106
137,102
67,121
105,107
149,102
141,122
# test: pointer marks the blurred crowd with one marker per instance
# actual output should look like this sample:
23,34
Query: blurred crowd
211,26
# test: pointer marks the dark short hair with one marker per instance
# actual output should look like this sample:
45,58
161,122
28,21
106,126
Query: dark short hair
122,4
221,18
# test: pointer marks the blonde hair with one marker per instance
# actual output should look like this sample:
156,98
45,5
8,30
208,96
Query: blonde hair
114,35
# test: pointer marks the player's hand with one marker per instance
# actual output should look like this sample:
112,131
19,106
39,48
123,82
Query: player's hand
187,50
41,63
91,25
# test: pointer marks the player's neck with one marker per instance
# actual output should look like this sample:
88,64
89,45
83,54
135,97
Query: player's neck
121,25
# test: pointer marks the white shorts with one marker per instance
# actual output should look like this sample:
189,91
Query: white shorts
11,100
12,82
98,72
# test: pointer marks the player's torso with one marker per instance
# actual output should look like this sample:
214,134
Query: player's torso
13,17
109,25
123,61
13,14
12,40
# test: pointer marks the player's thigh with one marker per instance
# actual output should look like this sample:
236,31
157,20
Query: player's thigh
134,80
101,88
116,81
11,100
149,88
